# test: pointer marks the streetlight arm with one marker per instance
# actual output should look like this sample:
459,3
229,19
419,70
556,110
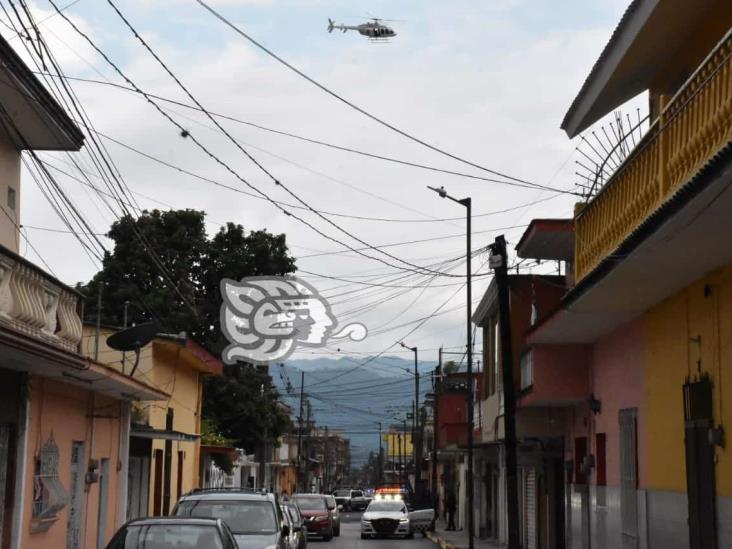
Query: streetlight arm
443,194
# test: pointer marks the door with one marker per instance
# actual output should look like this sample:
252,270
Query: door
103,503
158,483
627,420
76,496
531,509
138,487
700,481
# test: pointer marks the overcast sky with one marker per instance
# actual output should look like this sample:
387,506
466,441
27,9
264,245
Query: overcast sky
487,80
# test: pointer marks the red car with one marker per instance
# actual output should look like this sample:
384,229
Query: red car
314,511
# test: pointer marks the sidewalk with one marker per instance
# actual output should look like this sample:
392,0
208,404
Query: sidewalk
457,539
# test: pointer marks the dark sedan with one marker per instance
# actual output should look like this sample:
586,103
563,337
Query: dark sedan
182,533
317,517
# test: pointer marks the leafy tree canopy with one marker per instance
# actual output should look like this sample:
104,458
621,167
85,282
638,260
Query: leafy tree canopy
187,298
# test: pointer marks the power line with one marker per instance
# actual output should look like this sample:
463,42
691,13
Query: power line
305,139
189,135
258,164
516,181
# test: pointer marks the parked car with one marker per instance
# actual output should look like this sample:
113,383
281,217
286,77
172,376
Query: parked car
255,518
342,497
182,533
357,502
335,514
317,517
297,520
350,499
292,535
386,517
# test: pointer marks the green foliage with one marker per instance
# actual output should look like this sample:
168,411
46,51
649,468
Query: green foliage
450,367
210,435
196,264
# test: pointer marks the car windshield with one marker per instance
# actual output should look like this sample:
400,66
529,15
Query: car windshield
390,506
357,494
242,516
342,493
160,536
310,504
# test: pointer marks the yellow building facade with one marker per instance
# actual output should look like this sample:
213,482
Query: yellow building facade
164,446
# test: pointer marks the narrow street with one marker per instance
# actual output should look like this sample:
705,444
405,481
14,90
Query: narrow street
351,537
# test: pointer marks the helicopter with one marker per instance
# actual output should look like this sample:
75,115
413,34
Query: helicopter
374,30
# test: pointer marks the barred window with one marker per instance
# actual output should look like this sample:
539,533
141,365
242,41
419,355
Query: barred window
49,495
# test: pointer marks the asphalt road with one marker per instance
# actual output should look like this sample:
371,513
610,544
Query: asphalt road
351,537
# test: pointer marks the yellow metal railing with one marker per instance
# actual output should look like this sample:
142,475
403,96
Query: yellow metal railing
692,127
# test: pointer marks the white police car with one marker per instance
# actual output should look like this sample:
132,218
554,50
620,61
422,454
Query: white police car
386,517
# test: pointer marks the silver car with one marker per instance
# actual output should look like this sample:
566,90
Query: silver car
335,514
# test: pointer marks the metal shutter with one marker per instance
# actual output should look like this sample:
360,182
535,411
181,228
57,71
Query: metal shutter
531,509
628,478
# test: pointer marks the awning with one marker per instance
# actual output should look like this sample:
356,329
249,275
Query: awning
143,431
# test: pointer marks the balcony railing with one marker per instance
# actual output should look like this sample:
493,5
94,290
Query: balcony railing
33,304
692,127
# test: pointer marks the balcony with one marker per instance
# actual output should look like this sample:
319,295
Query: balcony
35,305
692,127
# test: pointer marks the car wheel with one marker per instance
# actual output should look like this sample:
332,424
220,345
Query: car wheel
410,535
338,532
364,536
328,536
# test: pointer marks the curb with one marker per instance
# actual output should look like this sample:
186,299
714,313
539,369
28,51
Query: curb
439,541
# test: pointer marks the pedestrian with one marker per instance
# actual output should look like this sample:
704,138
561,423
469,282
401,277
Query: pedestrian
450,505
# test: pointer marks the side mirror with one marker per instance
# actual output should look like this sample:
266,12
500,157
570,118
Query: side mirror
340,507
285,530
297,528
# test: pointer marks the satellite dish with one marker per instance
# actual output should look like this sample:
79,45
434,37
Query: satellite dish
133,339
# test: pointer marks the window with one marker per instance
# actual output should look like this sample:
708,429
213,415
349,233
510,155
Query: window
600,444
527,369
491,352
11,198
49,495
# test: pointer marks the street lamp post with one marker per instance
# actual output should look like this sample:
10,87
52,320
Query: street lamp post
415,435
467,203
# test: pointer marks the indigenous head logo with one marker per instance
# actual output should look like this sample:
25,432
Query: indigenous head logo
266,318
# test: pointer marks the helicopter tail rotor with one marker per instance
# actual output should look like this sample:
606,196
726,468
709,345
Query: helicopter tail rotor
330,25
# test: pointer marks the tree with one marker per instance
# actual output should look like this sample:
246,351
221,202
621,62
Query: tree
186,297
451,367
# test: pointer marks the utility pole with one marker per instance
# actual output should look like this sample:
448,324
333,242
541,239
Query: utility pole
467,203
263,461
381,458
435,446
325,462
99,322
406,469
499,262
416,446
300,480
307,449
399,450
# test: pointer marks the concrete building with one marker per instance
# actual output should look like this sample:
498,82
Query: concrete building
64,420
651,299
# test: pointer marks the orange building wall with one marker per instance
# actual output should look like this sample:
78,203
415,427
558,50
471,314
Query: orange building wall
64,411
